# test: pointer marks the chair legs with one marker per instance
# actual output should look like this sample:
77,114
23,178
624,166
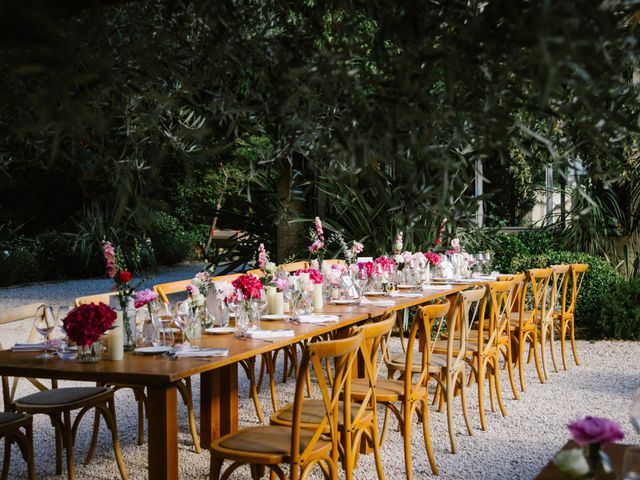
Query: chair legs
25,443
568,324
185,392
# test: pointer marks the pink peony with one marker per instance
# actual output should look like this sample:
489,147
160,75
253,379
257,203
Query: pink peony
433,258
314,275
367,267
143,297
249,285
282,284
595,430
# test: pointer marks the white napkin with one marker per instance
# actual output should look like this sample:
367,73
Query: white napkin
317,318
206,352
34,347
377,303
269,333
405,294
437,287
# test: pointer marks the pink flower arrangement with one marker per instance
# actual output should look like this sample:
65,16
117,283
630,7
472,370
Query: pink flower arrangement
144,297
281,284
385,264
316,246
356,248
433,258
192,290
109,258
595,430
250,286
368,267
262,257
314,275
455,247
87,323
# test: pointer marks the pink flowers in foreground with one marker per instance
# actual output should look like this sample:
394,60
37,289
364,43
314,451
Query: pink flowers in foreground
144,297
595,430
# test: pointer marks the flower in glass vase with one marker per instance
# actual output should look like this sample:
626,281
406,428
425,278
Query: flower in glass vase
591,433
86,324
249,285
433,258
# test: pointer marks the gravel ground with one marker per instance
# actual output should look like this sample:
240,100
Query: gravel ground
514,447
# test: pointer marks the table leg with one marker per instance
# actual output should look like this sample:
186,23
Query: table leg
162,415
218,403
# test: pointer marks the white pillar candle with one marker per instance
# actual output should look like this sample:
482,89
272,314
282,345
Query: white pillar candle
278,303
318,299
115,350
270,300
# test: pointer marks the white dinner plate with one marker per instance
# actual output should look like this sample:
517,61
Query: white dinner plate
349,301
274,317
220,330
152,350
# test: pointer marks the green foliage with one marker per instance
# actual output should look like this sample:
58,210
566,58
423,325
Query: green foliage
596,290
18,264
57,258
170,241
618,315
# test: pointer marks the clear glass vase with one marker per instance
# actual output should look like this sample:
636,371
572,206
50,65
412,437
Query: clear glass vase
247,316
90,353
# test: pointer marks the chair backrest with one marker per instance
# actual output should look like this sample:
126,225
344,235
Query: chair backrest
165,289
293,267
17,314
560,288
227,278
332,387
256,272
334,261
542,299
578,271
376,335
496,323
96,298
461,314
519,297
420,336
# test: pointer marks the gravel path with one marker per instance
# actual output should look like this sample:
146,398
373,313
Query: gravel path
513,447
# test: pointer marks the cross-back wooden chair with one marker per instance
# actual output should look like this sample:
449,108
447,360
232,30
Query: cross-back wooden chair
270,446
566,315
11,425
543,293
452,354
412,395
363,421
293,267
227,278
525,322
184,387
165,289
334,261
58,403
256,272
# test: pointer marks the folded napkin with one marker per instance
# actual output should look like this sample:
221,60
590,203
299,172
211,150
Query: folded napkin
317,318
437,287
377,303
405,294
269,333
205,352
35,347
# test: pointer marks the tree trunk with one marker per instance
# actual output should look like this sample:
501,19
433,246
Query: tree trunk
290,236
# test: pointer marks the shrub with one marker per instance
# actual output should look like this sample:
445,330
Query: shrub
57,258
529,242
18,264
618,316
599,281
171,243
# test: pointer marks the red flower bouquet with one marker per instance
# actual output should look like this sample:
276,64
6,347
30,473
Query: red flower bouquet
249,285
385,264
314,275
433,258
87,323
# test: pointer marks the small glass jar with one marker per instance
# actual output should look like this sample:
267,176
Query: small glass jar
90,353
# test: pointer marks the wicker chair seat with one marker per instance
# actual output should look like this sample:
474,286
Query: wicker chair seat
313,411
386,390
61,396
8,417
267,439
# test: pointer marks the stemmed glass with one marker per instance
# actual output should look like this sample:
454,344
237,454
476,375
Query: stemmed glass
183,318
164,317
61,314
360,281
44,323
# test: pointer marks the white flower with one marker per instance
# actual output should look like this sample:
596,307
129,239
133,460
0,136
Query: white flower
6,253
572,463
197,300
398,259
270,268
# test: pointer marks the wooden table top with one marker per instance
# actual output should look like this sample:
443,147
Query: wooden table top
150,370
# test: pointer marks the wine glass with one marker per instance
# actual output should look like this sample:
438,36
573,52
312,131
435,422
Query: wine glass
634,411
163,317
61,314
44,323
183,318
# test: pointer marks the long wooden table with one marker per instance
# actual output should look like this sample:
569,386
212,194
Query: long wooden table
218,376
